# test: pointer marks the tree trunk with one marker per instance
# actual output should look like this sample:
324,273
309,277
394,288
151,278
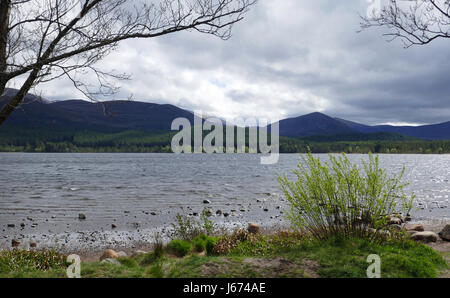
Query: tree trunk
4,24
12,104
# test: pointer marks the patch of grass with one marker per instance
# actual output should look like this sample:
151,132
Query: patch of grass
29,261
285,254
159,246
156,271
128,262
99,270
339,257
179,247
147,259
204,243
188,267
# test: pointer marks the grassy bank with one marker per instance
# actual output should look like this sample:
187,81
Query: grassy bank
280,255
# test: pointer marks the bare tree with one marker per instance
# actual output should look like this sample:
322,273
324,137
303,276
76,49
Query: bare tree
43,40
415,22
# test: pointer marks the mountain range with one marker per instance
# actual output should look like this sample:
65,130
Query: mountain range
36,112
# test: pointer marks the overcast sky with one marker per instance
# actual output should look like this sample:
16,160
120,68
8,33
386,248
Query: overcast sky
288,58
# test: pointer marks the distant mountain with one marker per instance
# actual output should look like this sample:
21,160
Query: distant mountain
37,112
360,137
428,132
313,124
9,93
83,114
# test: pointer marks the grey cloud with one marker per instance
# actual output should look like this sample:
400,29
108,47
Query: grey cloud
289,58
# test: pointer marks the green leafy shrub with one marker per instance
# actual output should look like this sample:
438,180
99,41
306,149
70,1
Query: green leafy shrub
206,224
339,198
128,262
179,247
210,244
24,260
199,243
204,243
187,228
159,246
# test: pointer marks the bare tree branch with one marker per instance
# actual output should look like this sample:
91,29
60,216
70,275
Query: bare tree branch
415,22
48,40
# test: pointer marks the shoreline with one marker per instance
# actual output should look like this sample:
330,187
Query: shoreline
89,245
91,252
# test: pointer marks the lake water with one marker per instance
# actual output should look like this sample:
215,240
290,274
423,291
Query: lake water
139,192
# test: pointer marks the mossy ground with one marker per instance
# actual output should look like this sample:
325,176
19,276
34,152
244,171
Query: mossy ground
261,256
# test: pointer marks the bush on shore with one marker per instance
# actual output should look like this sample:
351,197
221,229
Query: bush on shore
199,244
340,198
188,228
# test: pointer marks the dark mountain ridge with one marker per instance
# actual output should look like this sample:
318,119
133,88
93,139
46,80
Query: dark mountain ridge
439,131
83,114
37,112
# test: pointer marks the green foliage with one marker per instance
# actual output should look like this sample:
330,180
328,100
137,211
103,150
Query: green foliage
339,257
404,259
180,247
199,243
128,262
210,244
206,224
334,257
267,246
159,246
156,270
147,259
204,243
187,228
341,198
23,260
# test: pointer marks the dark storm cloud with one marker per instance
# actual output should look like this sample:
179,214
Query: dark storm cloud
289,58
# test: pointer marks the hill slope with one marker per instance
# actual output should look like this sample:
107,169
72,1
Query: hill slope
84,115
428,132
313,124
130,115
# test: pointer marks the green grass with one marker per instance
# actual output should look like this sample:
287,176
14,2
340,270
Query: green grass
280,255
21,263
347,258
179,247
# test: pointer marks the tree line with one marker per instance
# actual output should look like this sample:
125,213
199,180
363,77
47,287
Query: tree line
59,140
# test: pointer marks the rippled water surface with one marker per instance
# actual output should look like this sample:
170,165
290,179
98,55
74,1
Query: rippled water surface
125,189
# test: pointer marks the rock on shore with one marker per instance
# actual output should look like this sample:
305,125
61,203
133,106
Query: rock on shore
110,261
445,233
425,236
415,228
109,254
253,228
15,243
